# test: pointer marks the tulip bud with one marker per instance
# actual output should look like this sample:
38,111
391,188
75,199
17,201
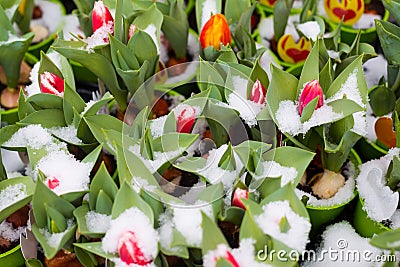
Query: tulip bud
311,90
53,182
215,32
237,197
258,93
51,84
100,16
229,257
130,251
132,30
185,119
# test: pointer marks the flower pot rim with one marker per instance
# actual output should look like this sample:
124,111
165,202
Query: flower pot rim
9,252
379,224
350,29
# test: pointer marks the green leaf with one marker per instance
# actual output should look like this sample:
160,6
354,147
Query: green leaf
45,101
29,188
213,194
87,259
387,240
93,109
33,263
43,197
103,203
309,110
24,108
388,34
7,132
127,198
234,9
102,181
281,7
96,63
284,225
258,73
392,176
212,235
95,248
50,250
136,131
173,142
382,100
393,6
48,118
126,54
59,220
310,69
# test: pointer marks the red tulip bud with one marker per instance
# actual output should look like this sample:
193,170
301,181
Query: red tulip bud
51,84
100,16
229,257
132,30
53,182
258,93
215,32
130,251
185,119
311,90
237,197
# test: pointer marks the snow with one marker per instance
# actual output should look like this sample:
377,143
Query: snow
152,31
88,106
165,232
193,193
159,157
67,133
333,54
310,29
366,21
72,25
136,221
73,175
97,222
269,222
266,60
380,202
187,220
54,239
10,233
11,161
157,126
244,255
12,194
248,110
342,238
33,136
99,37
374,69
344,195
266,28
395,219
52,15
214,174
209,8
272,169
137,183
288,118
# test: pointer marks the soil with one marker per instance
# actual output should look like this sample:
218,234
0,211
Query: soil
63,259
231,233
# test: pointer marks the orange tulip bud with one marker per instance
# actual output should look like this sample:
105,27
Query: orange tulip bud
215,32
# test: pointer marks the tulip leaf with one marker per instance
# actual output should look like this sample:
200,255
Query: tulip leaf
208,75
48,118
59,220
86,258
310,69
213,194
7,132
387,240
382,100
133,79
95,248
43,197
127,198
137,130
393,6
227,161
234,9
80,216
50,250
125,54
176,28
45,101
28,186
97,64
281,7
326,76
72,100
97,105
212,235
24,108
202,15
257,73
102,181
174,141
283,86
309,110
33,263
103,203
389,37
233,215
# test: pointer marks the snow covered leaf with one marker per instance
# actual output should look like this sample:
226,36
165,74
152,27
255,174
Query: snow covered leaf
207,74
14,194
95,248
213,194
127,198
389,240
205,9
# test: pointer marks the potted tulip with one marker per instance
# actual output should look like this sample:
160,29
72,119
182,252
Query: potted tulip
328,134
356,15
